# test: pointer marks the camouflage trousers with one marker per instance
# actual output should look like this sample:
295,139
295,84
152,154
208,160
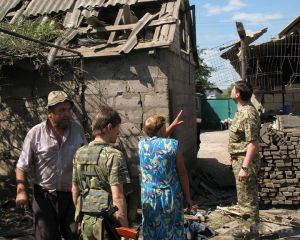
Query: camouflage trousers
247,192
92,228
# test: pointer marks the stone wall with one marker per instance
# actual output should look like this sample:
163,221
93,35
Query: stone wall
182,96
136,86
23,97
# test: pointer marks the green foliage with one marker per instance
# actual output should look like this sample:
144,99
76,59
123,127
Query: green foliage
10,45
202,75
226,93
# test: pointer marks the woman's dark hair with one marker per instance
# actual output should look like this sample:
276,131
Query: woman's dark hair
153,124
245,89
103,117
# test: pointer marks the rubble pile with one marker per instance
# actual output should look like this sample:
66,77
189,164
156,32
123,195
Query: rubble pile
280,171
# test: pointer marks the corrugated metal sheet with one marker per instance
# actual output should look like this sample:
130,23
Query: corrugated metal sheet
40,7
103,3
73,19
6,5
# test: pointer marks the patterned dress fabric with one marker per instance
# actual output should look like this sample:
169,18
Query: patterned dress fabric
161,193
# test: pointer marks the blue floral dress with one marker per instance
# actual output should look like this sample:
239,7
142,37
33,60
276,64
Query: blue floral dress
161,193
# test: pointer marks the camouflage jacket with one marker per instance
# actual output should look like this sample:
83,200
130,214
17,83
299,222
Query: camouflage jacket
244,129
97,167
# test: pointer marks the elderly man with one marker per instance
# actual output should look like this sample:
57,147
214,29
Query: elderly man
50,147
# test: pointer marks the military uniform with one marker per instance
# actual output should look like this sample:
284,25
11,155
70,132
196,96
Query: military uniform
244,129
97,167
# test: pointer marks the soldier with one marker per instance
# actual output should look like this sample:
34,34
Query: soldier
244,151
99,173
50,147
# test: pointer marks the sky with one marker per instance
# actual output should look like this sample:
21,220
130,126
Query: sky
215,26
215,19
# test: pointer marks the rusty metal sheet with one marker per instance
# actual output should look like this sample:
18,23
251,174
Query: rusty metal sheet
41,7
7,5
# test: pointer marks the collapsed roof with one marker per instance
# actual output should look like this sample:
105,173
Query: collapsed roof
108,27
271,64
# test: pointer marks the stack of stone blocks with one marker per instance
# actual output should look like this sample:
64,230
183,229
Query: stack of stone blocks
280,169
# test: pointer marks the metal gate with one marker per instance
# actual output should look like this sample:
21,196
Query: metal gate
216,110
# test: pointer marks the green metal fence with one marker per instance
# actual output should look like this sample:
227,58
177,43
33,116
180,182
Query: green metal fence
216,110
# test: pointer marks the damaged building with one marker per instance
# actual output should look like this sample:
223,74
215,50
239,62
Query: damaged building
273,68
137,56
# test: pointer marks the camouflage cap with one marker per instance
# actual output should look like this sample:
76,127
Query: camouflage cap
56,97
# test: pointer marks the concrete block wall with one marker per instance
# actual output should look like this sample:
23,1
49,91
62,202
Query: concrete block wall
292,96
182,96
273,102
23,98
136,86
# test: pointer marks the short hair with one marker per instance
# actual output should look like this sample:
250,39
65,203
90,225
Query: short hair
153,124
245,89
103,117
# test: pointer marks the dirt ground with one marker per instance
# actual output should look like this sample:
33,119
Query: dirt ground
213,159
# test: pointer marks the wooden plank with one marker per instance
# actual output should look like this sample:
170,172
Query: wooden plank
111,28
164,33
117,21
173,26
89,53
157,29
18,16
227,227
230,211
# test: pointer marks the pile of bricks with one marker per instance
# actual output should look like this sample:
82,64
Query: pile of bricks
280,170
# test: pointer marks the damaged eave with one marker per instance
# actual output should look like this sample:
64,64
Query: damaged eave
6,6
164,24
154,23
290,29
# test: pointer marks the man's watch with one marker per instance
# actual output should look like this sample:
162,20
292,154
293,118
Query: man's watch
245,169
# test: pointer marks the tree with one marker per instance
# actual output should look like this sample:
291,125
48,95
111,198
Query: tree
202,74
226,93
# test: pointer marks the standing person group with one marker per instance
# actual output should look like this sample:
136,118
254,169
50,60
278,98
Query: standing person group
244,151
67,172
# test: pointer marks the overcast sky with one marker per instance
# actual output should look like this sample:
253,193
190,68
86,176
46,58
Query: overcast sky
216,18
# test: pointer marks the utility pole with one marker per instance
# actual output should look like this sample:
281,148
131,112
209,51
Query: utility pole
244,46
243,49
